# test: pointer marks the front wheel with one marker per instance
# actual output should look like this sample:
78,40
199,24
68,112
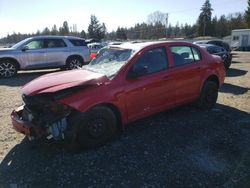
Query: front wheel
7,69
208,95
94,128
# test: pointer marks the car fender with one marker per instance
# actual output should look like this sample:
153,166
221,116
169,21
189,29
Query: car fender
93,96
220,74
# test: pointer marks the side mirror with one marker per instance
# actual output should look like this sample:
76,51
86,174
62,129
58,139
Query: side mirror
24,48
137,71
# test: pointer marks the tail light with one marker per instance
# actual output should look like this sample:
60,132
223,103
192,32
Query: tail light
92,55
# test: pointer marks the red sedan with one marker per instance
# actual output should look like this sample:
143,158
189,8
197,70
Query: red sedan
87,107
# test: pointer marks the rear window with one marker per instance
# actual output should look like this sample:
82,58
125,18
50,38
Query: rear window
185,54
77,42
215,49
54,43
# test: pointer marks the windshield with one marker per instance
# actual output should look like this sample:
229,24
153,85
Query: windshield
17,45
109,61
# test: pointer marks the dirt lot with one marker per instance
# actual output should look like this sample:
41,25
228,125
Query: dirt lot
184,147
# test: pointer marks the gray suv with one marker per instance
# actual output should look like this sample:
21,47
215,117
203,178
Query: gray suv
44,52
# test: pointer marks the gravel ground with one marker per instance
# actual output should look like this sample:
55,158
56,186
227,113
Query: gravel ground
183,147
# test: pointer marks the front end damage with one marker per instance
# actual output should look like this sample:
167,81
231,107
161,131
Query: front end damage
41,116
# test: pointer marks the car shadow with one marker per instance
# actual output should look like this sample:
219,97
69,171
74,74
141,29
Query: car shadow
235,54
234,89
236,62
235,72
177,148
24,77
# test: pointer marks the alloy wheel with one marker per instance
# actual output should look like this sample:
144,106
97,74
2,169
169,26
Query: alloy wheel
7,69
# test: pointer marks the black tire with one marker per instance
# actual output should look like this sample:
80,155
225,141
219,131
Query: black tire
74,62
93,128
208,95
8,68
227,63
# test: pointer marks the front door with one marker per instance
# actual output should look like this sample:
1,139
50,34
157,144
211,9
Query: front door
33,54
151,89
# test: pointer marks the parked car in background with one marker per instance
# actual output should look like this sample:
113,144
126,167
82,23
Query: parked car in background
101,52
220,43
88,106
94,48
44,52
220,51
89,41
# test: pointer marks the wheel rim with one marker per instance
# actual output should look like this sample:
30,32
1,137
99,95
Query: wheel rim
75,64
7,69
96,128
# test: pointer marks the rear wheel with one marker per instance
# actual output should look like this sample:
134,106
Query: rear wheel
8,69
94,128
208,95
74,62
227,63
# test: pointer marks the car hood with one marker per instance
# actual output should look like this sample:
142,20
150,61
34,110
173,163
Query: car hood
54,82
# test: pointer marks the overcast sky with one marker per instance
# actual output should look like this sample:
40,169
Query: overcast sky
27,16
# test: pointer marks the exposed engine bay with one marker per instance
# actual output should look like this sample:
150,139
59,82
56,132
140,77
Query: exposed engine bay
46,116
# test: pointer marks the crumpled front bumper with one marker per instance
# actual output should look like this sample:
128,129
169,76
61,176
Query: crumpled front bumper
24,127
18,124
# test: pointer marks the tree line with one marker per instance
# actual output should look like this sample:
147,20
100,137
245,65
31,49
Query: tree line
156,27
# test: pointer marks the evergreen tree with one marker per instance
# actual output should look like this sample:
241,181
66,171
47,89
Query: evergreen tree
222,27
54,30
247,14
95,29
104,29
237,21
121,34
204,20
46,31
83,34
64,30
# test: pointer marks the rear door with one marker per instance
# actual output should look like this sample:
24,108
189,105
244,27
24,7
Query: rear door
187,71
56,52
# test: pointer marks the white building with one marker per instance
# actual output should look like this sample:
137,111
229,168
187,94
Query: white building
240,38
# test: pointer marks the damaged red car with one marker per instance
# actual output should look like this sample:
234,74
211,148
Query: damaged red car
87,107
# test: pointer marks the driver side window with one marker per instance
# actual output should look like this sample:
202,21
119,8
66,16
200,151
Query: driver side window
152,61
35,44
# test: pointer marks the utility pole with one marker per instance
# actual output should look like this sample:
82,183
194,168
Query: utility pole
166,25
